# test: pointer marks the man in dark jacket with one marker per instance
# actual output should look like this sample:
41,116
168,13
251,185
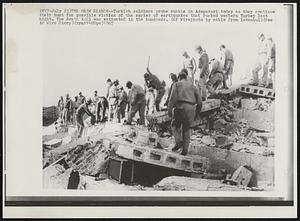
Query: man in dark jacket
184,105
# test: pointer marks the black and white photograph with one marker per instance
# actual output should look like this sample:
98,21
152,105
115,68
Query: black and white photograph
135,99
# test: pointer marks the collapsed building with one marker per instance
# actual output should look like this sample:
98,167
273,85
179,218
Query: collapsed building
232,148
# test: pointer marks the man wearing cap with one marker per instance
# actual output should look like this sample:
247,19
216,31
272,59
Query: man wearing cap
83,109
203,71
189,64
184,104
227,58
113,100
261,62
122,103
137,101
216,76
152,81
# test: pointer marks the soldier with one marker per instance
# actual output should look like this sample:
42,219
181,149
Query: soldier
228,61
261,62
190,65
216,78
184,105
81,98
60,107
113,100
137,101
122,103
76,104
204,71
82,109
152,81
109,84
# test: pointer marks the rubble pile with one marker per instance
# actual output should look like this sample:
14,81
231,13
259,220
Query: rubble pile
237,138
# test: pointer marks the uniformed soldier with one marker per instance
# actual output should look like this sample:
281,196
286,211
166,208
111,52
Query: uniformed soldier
203,71
184,104
83,109
103,103
189,64
152,81
216,77
228,62
261,62
137,101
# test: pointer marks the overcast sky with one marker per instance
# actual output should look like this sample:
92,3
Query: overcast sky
81,59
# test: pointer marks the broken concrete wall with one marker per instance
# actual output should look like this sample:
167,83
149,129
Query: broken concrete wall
263,166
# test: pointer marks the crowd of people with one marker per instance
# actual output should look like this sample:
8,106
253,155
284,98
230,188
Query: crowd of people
184,97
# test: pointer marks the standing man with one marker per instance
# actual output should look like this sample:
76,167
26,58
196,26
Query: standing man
113,99
227,57
271,63
261,62
184,105
96,101
82,109
152,81
150,101
190,65
81,98
60,107
216,77
203,71
67,110
76,104
122,103
137,101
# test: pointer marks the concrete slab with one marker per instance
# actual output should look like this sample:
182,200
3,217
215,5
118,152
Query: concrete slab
257,91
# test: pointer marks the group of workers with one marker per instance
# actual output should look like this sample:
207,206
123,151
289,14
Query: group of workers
184,97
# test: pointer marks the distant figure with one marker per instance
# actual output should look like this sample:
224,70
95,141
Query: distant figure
122,103
113,100
189,64
203,71
76,104
216,77
68,108
271,63
96,101
83,109
184,105
60,107
152,81
261,62
150,100
137,101
227,57
81,98
174,80
109,84
103,106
